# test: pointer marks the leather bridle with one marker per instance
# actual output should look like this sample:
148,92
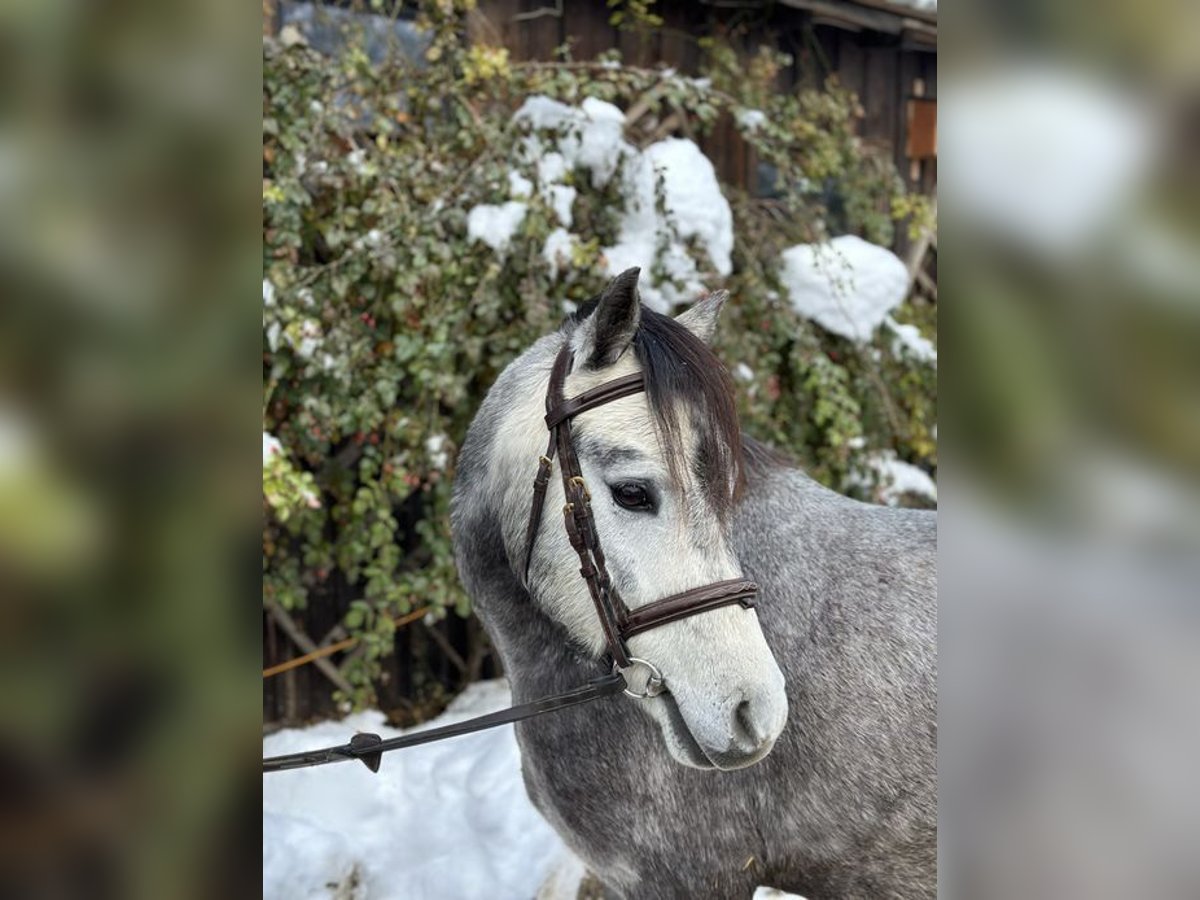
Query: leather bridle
618,621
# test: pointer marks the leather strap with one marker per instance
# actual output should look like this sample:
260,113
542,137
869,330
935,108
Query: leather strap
540,482
624,386
689,603
370,747
577,512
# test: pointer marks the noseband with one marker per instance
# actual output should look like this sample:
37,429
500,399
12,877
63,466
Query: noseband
618,621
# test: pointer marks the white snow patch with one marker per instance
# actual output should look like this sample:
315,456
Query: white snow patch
909,340
495,225
896,478
561,197
770,893
591,137
847,286
751,119
303,861
310,338
557,250
551,168
435,446
519,186
271,446
562,883
268,293
693,206
743,372
694,202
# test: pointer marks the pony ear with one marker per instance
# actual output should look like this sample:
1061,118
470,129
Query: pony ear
608,331
701,317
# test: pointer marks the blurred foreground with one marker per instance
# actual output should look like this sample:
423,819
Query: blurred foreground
1070,522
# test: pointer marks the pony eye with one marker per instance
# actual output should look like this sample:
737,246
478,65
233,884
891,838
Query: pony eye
632,495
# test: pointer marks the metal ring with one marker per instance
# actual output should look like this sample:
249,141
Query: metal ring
654,683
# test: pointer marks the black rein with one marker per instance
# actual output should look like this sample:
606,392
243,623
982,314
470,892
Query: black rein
369,748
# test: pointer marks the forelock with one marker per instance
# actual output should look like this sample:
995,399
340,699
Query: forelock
685,378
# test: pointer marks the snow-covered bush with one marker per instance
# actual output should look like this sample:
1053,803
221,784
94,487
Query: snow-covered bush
423,224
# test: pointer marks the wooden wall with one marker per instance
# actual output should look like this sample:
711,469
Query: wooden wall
885,70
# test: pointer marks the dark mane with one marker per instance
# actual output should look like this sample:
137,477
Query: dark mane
682,373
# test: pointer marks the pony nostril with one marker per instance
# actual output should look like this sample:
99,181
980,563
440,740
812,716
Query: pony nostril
744,726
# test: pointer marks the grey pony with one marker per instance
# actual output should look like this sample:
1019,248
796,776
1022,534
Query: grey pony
845,805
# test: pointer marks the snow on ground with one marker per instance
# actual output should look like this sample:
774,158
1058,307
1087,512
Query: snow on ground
442,820
848,286
768,893
448,819
302,861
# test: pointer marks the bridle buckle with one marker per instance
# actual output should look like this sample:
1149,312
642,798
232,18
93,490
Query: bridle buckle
578,480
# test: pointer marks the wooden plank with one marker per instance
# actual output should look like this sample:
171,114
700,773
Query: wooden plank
540,23
878,96
851,63
305,643
586,27
492,23
908,71
929,73
677,40
638,48
922,129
